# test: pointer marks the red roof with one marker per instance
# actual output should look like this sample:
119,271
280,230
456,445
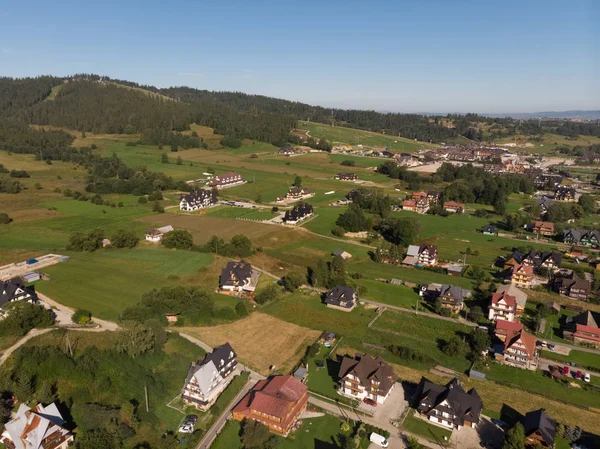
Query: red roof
528,341
454,204
510,301
527,269
504,327
417,195
409,203
275,396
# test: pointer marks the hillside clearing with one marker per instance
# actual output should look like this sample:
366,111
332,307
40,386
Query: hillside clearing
260,340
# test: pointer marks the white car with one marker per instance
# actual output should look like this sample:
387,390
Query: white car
379,440
586,377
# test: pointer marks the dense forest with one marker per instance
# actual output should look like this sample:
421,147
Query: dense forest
103,105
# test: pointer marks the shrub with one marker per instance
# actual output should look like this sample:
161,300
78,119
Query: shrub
82,316
178,239
4,218
241,309
155,196
158,208
268,294
142,200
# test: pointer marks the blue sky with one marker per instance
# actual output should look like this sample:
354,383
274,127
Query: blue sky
407,56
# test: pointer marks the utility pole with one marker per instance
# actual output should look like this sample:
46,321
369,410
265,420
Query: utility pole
146,395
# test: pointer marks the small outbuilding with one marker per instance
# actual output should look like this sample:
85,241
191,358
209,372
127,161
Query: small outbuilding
343,254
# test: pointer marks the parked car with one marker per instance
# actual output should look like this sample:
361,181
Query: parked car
543,344
577,375
186,428
191,418
565,370
370,402
379,440
551,347
586,377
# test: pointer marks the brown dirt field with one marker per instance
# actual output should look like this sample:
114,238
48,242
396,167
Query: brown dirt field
260,341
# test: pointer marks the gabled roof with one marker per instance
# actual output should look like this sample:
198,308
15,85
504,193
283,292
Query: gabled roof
510,301
521,268
454,204
220,355
31,426
490,228
504,327
235,272
339,294
539,421
275,396
451,398
520,295
527,339
368,369
9,288
413,250
588,319
571,280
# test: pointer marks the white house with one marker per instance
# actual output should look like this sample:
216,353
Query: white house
199,199
156,235
36,428
208,378
364,377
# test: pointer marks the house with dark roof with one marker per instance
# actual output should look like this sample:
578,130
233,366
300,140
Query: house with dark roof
225,180
489,229
238,278
503,306
572,286
14,290
537,260
276,402
364,377
451,296
449,405
584,329
295,193
198,199
544,204
298,213
540,429
581,237
564,193
341,297
40,427
208,378
288,150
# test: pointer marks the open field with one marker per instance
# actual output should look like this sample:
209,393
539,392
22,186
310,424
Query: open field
107,281
550,142
260,341
340,134
586,360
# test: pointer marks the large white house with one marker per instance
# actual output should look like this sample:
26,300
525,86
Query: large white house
198,199
156,235
225,180
503,306
36,428
207,379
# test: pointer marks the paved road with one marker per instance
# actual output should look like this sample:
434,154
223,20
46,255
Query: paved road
544,363
216,428
569,347
31,334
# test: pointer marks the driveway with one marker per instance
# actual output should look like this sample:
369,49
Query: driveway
64,314
486,432
393,407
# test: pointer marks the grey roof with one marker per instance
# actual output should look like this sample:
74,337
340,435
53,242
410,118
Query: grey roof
511,290
235,273
539,421
455,291
220,356
413,250
300,373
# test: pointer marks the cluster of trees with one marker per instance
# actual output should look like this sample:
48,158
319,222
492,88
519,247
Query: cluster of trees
22,317
191,304
10,186
19,174
327,274
17,137
476,343
178,239
387,252
354,220
93,240
239,246
4,218
401,231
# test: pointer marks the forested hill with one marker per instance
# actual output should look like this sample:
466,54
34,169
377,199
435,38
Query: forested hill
104,105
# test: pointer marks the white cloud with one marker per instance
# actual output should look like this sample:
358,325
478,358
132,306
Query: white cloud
192,74
246,73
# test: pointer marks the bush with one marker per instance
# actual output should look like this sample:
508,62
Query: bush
123,238
81,316
338,231
268,294
231,142
348,163
19,174
22,317
178,239
410,355
5,219
155,196
142,200
241,309
158,208
91,241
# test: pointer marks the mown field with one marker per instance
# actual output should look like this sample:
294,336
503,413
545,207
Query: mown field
359,137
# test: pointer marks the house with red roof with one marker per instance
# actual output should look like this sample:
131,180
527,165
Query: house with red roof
585,329
276,402
409,205
503,306
517,347
454,207
521,275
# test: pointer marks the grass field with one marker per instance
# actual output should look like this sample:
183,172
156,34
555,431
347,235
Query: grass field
422,428
261,340
340,134
550,142
583,359
107,281
319,433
